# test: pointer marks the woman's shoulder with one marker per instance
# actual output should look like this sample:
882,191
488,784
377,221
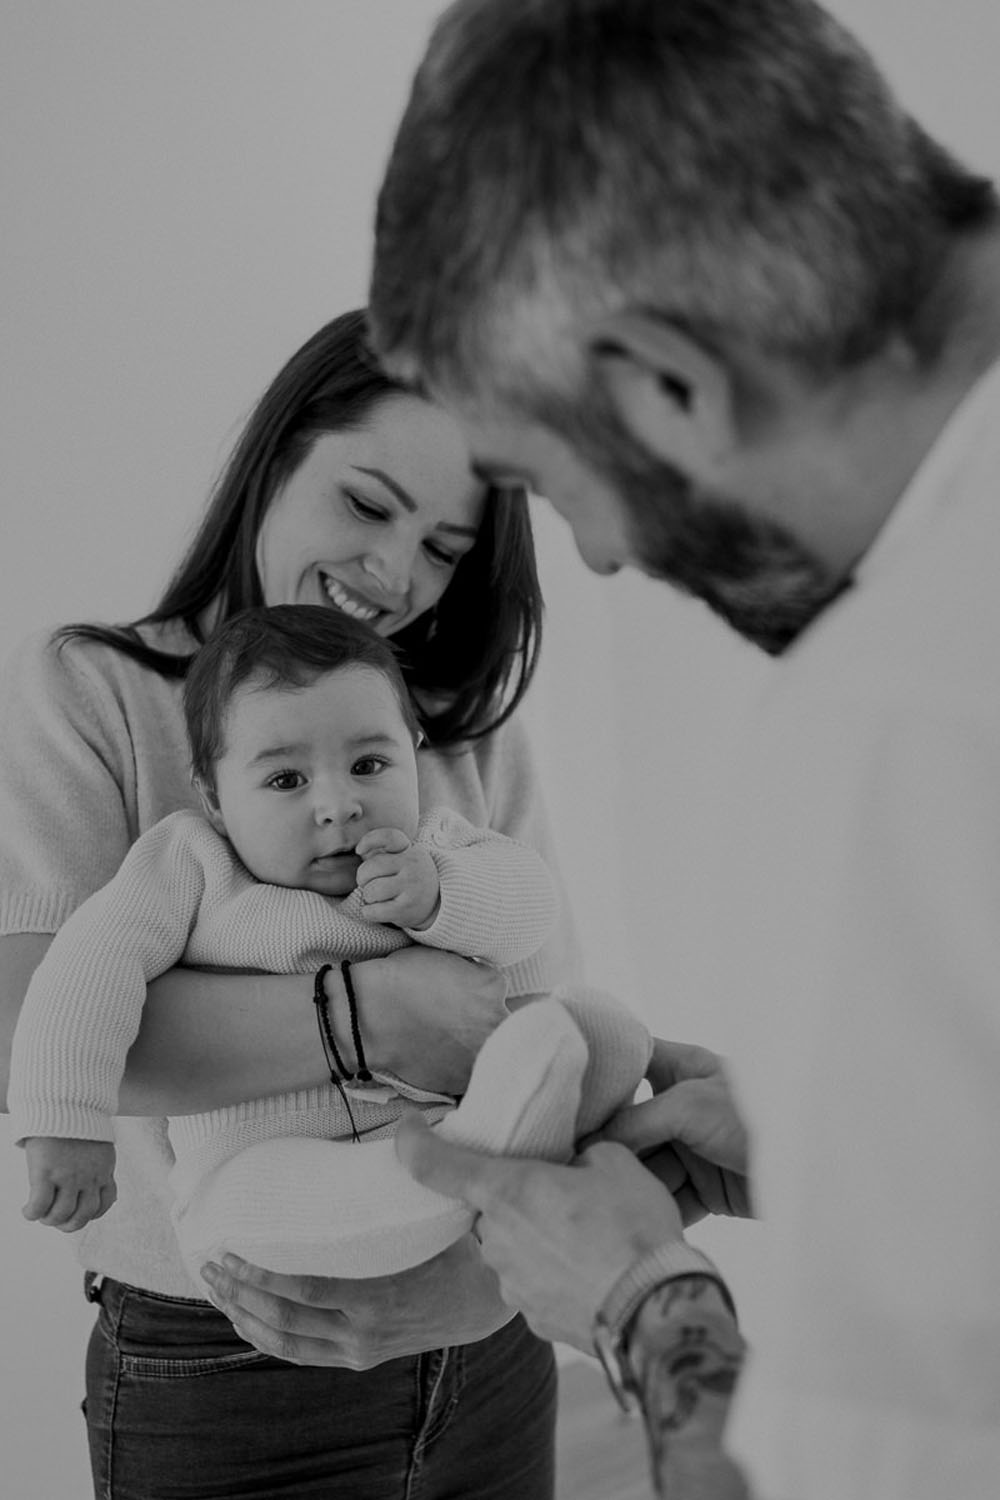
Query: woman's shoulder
64,650
506,751
484,778
64,654
56,684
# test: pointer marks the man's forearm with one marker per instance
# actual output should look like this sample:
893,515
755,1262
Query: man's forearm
686,1352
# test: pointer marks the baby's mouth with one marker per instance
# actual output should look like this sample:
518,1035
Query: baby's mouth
334,855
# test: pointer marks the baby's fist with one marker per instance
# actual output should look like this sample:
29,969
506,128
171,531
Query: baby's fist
398,879
70,1181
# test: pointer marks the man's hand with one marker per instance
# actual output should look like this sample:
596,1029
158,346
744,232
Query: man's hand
71,1181
558,1237
314,1320
398,879
689,1134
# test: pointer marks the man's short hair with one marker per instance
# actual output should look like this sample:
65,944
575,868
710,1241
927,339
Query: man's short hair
739,167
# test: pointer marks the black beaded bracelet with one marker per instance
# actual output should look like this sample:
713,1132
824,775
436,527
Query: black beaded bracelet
334,1061
363,1073
338,1071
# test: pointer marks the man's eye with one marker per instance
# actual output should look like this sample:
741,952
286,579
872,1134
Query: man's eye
286,781
369,765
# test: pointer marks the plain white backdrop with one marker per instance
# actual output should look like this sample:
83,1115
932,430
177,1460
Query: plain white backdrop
188,192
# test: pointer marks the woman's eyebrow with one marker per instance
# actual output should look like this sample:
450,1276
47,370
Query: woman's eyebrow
390,484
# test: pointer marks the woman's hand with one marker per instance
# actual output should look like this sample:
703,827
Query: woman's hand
425,1014
312,1320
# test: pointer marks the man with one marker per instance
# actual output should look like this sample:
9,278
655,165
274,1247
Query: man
687,268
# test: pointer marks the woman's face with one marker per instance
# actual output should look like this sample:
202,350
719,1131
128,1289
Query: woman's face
375,520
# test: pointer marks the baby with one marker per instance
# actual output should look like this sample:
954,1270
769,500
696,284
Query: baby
311,850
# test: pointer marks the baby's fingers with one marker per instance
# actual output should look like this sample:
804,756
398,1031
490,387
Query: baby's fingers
62,1209
382,841
377,867
40,1200
378,892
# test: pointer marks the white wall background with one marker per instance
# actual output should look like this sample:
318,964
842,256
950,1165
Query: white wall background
187,193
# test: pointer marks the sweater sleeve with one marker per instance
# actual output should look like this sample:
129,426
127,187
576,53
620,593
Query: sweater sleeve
82,1010
65,756
498,900
516,808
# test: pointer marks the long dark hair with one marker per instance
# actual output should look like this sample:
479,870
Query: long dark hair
468,663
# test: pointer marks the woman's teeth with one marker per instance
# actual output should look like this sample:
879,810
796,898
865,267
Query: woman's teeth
343,600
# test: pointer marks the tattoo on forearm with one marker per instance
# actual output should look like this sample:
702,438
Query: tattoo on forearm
686,1353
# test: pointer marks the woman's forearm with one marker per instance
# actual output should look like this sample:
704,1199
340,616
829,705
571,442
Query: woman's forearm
210,1039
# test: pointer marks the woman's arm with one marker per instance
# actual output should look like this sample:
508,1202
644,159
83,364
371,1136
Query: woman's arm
209,1039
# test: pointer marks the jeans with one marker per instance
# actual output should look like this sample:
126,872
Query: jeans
179,1408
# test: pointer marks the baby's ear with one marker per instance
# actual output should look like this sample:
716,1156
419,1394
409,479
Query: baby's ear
209,803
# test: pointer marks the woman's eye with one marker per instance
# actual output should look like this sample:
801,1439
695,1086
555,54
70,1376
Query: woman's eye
441,555
286,781
365,509
369,765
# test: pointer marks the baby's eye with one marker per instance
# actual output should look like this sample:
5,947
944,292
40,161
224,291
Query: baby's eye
369,765
286,781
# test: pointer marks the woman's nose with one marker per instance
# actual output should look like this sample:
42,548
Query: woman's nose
390,564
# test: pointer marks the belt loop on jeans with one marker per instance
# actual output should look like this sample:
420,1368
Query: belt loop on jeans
93,1281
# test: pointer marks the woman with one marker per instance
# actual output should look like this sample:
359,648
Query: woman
347,492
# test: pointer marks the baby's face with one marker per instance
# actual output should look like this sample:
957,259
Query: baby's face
308,771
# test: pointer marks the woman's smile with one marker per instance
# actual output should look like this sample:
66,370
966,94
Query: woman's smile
350,602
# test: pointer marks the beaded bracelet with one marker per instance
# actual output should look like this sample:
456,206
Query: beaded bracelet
335,1063
363,1073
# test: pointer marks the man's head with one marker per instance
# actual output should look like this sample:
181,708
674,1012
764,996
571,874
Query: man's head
671,239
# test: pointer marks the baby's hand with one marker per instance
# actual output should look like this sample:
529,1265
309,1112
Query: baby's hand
398,879
71,1182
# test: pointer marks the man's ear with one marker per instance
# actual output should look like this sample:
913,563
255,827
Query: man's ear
673,396
209,803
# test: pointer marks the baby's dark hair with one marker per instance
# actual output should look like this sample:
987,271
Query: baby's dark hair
284,645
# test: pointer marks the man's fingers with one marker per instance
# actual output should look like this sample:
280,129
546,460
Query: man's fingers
673,1062
455,1171
645,1127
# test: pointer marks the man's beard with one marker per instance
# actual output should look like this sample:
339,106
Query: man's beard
752,572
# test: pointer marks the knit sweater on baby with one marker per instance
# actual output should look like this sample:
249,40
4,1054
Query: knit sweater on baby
93,752
182,895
